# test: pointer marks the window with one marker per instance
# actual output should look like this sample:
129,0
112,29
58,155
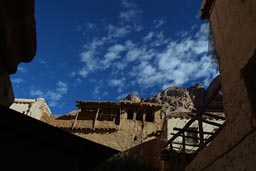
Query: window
192,135
130,114
149,116
106,116
139,116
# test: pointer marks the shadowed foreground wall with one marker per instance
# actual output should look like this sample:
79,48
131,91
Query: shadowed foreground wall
17,41
26,143
29,144
234,27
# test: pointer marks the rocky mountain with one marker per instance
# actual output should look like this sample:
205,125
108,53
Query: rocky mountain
176,99
133,97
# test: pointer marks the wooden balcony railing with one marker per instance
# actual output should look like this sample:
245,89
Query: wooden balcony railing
202,140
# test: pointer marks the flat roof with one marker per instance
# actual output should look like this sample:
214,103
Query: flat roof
80,103
122,103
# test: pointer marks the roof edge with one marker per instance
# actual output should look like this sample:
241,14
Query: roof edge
21,100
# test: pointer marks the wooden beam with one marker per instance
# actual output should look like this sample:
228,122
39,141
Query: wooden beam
134,115
143,116
96,116
181,143
183,162
211,138
180,130
211,123
196,117
201,130
74,123
192,131
214,116
187,136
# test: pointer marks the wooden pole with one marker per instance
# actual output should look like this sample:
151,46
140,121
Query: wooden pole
183,151
201,134
134,114
74,123
96,116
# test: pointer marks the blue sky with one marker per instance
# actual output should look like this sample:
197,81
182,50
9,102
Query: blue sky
105,50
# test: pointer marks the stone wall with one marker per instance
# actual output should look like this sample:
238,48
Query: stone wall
234,24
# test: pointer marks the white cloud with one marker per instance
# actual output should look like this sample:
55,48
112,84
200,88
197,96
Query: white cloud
95,43
147,76
117,82
133,55
105,93
62,87
77,82
86,28
146,69
127,4
117,48
94,50
42,61
89,56
83,72
128,15
22,69
122,96
90,26
160,40
150,60
130,12
98,94
16,80
149,36
88,59
51,96
158,23
117,31
112,54
177,64
37,93
73,74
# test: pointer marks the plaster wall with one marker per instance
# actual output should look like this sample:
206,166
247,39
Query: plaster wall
129,134
35,108
234,25
39,108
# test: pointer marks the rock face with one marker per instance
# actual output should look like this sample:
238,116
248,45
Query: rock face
133,97
175,99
